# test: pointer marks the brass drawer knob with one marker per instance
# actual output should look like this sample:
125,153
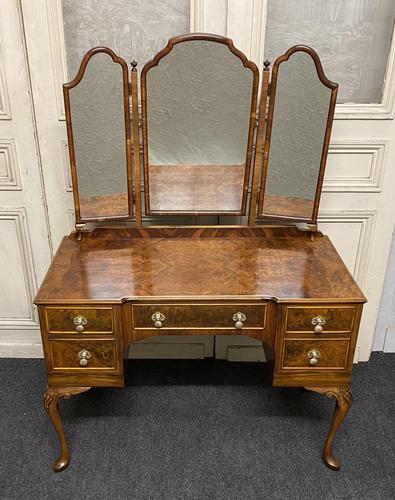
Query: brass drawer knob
313,356
318,322
84,357
239,319
158,318
80,322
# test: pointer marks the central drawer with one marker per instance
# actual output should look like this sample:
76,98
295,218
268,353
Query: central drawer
199,316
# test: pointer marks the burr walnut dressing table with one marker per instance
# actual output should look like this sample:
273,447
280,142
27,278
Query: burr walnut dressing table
211,150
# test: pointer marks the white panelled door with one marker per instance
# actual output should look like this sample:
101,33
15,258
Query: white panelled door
357,208
24,240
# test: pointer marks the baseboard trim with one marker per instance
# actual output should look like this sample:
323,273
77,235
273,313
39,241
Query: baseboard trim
20,350
389,341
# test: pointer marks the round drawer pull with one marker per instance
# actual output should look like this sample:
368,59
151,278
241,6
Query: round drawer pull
158,318
84,357
80,322
239,319
318,322
313,356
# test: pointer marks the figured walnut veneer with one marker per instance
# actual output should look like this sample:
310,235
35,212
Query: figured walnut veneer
64,354
62,319
116,268
199,315
337,319
333,354
198,278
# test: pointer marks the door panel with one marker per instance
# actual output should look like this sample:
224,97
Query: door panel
24,242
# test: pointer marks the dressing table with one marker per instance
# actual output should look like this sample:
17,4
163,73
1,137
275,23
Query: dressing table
210,149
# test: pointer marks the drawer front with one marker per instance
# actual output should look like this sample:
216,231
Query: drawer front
305,319
199,315
314,355
81,354
79,320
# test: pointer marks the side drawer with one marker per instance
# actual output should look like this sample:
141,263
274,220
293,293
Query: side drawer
197,316
79,320
70,354
339,319
314,354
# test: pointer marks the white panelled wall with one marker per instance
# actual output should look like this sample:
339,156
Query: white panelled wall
357,208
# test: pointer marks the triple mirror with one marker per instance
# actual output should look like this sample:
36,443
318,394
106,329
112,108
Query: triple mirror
205,150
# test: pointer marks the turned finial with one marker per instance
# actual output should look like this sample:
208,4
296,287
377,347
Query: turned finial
134,65
266,63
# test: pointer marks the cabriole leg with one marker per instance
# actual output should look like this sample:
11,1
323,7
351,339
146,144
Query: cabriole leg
51,401
343,398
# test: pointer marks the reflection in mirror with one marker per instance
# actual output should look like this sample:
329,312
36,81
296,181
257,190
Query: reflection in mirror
98,146
301,109
200,99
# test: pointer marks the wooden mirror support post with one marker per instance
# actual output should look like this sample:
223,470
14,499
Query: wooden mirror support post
259,142
136,142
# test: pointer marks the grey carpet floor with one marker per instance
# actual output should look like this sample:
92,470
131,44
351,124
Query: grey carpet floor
197,429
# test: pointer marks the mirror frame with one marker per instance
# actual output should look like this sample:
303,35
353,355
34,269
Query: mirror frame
66,88
325,146
251,129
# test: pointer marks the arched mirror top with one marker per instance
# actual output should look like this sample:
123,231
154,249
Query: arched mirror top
314,56
86,59
200,37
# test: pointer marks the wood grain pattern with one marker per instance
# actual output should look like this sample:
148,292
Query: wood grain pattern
64,354
207,273
338,319
199,315
333,354
304,375
115,268
62,319
194,189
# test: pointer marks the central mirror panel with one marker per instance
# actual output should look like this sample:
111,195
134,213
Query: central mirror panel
198,104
